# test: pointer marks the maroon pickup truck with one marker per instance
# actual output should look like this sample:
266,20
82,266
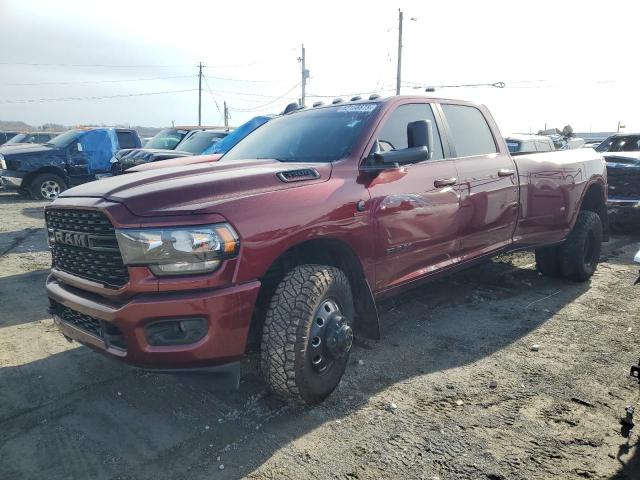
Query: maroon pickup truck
289,240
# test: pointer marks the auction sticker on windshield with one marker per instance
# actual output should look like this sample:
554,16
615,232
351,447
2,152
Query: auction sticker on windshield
363,107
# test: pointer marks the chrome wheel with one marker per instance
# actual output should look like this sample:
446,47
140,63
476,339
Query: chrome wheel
50,189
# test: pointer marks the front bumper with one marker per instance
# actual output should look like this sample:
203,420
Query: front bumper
11,178
623,210
120,329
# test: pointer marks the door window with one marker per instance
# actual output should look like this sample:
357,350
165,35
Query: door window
393,135
470,131
126,140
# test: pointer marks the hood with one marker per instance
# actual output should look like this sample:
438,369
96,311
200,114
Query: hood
176,162
137,156
196,188
25,149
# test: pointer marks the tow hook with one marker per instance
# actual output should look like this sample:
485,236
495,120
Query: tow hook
627,421
635,371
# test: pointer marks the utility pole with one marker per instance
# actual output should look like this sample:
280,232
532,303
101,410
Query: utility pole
226,115
399,75
200,94
304,74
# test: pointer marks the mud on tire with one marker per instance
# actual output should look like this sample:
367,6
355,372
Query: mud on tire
286,350
580,253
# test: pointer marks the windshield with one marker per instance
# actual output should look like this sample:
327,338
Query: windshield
319,135
199,142
626,143
64,139
167,139
17,139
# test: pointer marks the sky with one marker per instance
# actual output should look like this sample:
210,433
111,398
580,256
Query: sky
80,62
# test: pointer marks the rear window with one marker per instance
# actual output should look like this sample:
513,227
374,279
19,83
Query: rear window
470,131
127,140
513,145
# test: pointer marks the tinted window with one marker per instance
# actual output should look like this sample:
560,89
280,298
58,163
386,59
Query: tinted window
323,134
469,129
394,133
127,140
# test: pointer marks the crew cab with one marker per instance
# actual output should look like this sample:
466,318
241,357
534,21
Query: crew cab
287,243
72,158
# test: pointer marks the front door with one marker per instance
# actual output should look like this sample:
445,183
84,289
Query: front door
487,184
415,207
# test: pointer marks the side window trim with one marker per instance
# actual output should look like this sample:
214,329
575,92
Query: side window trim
448,149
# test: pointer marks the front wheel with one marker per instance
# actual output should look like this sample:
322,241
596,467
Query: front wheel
580,253
47,186
308,333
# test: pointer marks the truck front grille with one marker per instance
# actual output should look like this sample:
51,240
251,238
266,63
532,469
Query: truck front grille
107,331
624,182
96,257
88,324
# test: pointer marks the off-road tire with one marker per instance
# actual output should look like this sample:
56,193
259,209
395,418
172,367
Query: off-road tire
36,186
547,261
580,253
285,363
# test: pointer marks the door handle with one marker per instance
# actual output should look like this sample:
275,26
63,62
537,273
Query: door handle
445,182
505,172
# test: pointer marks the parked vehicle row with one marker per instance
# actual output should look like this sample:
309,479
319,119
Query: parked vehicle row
289,240
77,156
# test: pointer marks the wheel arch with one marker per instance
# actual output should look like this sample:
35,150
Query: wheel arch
594,199
48,169
323,251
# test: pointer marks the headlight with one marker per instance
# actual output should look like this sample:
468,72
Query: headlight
178,251
3,164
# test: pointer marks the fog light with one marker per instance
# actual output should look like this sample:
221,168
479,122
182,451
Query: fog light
175,332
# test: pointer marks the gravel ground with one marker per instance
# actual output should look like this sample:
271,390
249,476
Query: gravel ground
454,390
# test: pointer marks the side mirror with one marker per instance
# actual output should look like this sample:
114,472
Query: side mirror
79,147
419,141
420,134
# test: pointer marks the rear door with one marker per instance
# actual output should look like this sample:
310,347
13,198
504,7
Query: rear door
415,207
488,184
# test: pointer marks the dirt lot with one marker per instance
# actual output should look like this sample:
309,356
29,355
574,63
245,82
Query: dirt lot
454,390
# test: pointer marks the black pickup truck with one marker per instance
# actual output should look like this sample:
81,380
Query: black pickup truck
72,158
623,173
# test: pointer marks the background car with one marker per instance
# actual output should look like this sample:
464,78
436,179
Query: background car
33,137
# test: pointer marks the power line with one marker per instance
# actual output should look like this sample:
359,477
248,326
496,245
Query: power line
98,97
206,82
82,82
352,94
259,107
91,65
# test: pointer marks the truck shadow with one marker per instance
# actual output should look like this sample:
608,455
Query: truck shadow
19,305
23,241
76,414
